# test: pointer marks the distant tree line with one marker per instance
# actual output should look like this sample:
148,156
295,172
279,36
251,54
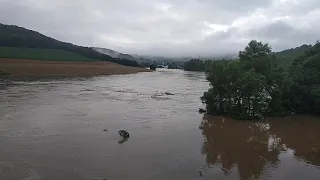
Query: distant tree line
174,65
158,64
196,65
14,36
199,65
257,86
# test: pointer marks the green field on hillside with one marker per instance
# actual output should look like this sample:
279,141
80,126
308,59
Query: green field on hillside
40,54
287,56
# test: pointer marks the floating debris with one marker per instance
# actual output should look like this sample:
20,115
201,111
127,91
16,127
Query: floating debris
87,90
123,140
159,96
224,169
124,133
200,172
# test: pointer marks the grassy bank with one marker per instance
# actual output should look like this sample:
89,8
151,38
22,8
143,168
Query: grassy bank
18,67
40,54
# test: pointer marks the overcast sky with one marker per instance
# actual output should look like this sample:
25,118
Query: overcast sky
169,28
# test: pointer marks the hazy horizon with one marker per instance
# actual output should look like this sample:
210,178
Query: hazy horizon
188,28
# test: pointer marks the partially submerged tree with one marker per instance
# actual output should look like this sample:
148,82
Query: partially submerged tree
304,96
249,88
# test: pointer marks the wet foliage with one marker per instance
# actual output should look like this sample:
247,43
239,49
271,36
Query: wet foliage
257,86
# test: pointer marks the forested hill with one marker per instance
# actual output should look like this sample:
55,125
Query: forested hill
287,56
14,36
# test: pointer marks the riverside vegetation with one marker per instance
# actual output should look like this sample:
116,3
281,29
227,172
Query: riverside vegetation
258,84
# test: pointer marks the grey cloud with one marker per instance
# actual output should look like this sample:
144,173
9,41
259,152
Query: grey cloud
281,35
171,28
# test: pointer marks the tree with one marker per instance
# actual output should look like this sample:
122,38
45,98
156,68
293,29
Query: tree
256,56
250,88
194,65
172,65
305,73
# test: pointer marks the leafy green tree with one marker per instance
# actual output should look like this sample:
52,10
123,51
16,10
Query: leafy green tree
249,88
216,97
256,56
199,65
305,73
253,95
194,65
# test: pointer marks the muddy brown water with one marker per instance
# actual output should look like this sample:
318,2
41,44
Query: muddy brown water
54,129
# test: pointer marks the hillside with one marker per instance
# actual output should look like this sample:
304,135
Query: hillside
287,56
114,54
41,54
14,36
163,59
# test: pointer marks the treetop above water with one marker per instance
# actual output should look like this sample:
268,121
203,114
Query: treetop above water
257,86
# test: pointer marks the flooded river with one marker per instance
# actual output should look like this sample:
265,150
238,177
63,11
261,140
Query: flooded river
53,129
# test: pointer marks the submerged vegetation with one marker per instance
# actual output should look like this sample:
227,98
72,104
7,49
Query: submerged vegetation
257,86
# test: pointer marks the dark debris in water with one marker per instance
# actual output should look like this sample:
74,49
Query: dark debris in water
88,90
161,96
124,133
123,140
125,136
200,172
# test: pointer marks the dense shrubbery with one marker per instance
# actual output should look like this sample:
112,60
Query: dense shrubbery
255,86
14,36
304,95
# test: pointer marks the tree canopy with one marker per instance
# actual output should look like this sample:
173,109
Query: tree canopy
256,86
304,96
198,65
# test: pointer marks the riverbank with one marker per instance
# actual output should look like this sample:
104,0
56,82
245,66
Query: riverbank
23,67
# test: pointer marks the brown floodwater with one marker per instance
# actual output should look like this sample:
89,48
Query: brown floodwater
53,129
